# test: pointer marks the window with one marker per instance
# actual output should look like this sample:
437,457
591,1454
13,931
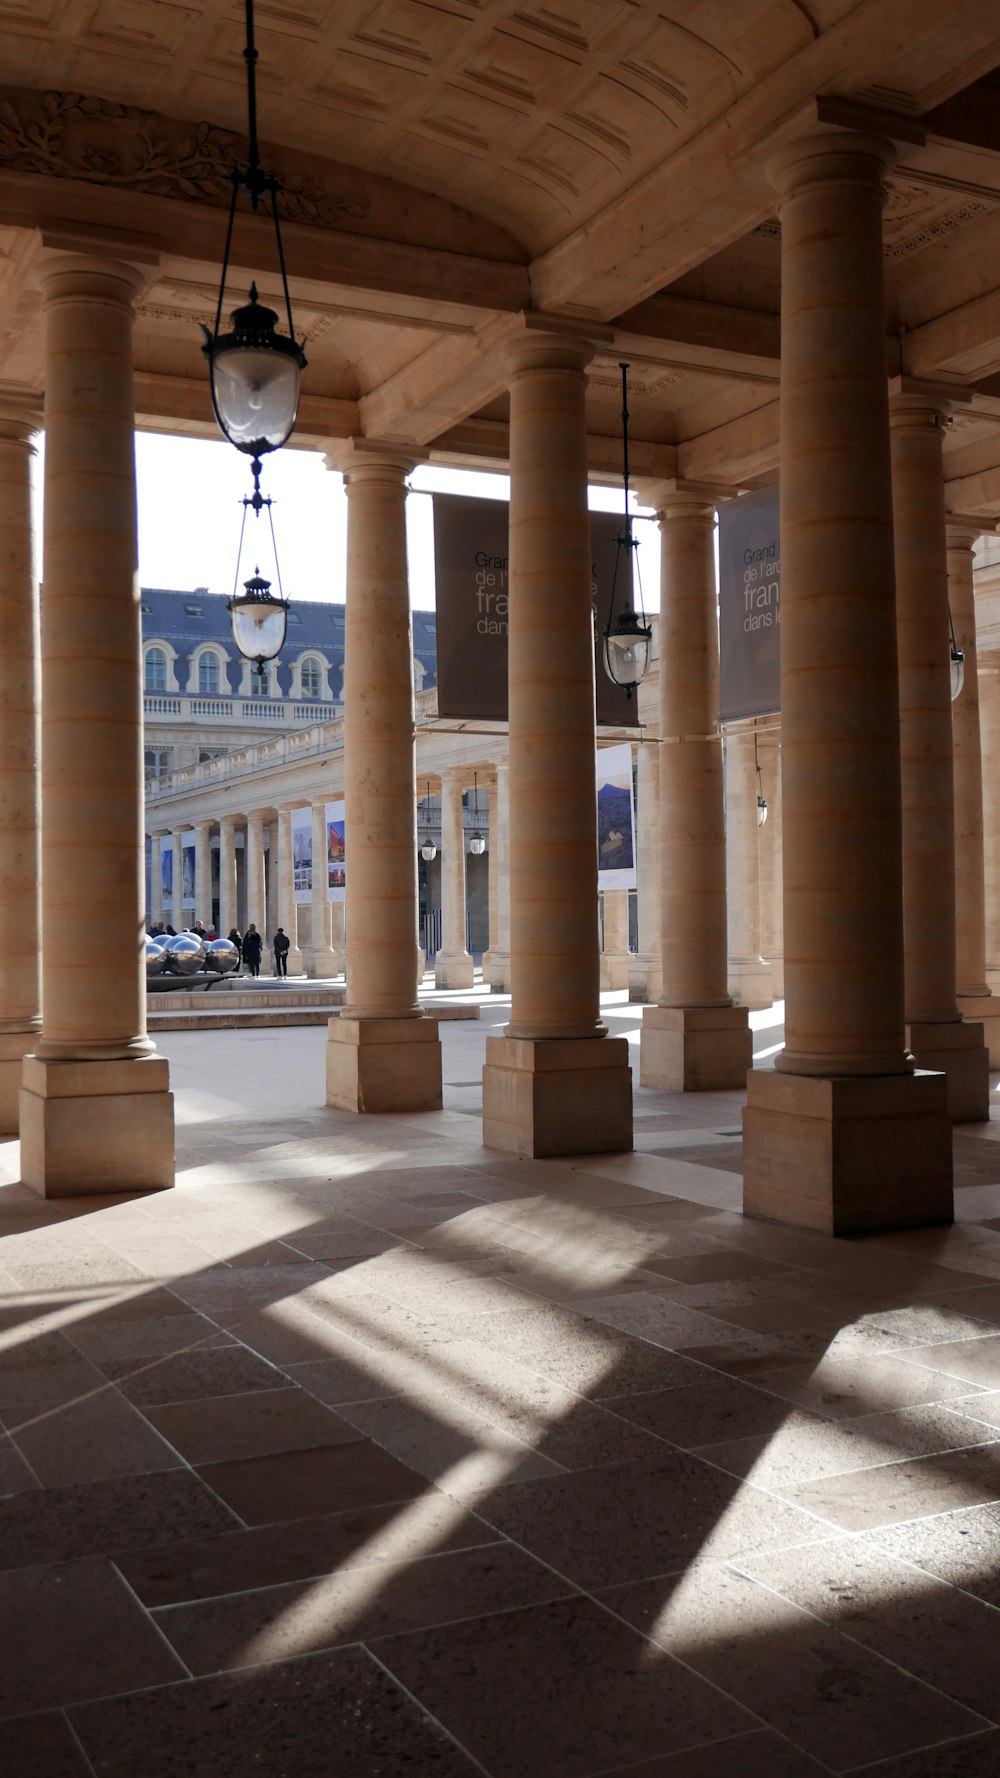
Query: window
194,611
311,677
157,761
156,669
208,675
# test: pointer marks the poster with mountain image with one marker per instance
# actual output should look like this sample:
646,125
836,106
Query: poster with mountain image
615,818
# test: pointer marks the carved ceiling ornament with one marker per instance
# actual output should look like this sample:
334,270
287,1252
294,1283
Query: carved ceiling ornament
71,136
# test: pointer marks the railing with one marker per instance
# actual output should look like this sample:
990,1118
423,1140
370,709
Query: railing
275,712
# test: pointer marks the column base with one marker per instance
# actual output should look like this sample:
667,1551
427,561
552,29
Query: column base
645,979
751,985
557,1095
957,1050
324,965
776,967
695,1049
499,974
614,970
454,970
984,1009
96,1127
14,1046
383,1065
847,1156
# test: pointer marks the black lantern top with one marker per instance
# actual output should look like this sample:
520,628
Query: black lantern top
627,636
255,371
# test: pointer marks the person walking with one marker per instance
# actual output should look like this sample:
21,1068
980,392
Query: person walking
252,950
280,945
236,938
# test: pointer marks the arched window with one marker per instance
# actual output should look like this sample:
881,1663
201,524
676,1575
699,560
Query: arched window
208,675
156,669
312,678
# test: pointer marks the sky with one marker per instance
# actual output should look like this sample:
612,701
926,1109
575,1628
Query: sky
189,494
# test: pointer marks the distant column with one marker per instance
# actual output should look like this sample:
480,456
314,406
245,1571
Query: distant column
772,943
615,951
287,911
256,886
490,795
203,872
178,918
975,999
453,964
323,962
20,982
228,918
500,851
645,976
749,977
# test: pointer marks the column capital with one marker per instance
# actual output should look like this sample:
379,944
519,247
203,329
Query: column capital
678,498
21,416
963,530
531,341
829,156
205,826
67,277
372,459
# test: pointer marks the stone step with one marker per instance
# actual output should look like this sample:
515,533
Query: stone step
200,1013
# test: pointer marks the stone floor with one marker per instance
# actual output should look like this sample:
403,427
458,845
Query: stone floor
368,1452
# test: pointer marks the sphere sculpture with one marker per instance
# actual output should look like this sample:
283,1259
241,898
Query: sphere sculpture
156,956
221,955
185,953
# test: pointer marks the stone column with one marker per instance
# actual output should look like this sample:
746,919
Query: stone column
203,872
20,986
975,998
772,941
178,917
989,717
453,964
645,977
96,1110
500,861
288,914
490,810
555,1083
937,1035
383,1053
256,882
749,977
157,912
842,1136
323,961
615,952
694,1039
227,875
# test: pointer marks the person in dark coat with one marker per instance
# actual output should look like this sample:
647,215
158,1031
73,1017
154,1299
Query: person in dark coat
236,938
280,945
252,950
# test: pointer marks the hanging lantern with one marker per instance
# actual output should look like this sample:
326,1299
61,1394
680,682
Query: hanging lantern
627,636
477,840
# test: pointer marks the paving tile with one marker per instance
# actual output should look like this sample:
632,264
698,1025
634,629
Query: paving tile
343,1379
941,1635
761,1754
447,1442
284,1333
961,1547
588,1691
355,1605
40,1374
42,1746
304,1484
191,1376
219,1429
15,1476
974,1360
975,1756
715,1267
150,1336
303,1713
83,1441
804,1447
46,1659
97,1518
707,1412
230,1291
301,1549
583,1355
844,1384
896,1491
837,1701
631,1520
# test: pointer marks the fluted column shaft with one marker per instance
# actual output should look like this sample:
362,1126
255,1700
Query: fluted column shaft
177,919
227,875
203,872
555,960
255,878
970,893
379,762
288,913
20,977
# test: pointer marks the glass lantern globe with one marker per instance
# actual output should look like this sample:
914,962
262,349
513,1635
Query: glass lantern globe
957,671
477,845
428,850
761,811
626,650
255,376
259,620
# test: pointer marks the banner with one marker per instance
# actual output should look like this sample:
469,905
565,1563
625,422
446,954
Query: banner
187,870
166,874
749,607
615,818
470,568
302,855
336,878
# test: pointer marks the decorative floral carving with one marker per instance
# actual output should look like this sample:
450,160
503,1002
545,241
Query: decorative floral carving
71,136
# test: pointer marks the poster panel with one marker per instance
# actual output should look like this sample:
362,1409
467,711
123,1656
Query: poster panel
749,607
166,874
302,853
335,863
187,869
615,818
470,567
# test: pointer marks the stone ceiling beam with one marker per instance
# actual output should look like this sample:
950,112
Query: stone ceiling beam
966,341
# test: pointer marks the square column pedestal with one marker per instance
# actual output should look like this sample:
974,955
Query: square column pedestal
453,971
958,1051
557,1095
97,1126
984,1010
13,1045
695,1049
383,1064
847,1156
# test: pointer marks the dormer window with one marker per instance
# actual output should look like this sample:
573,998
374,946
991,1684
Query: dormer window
208,675
156,670
312,678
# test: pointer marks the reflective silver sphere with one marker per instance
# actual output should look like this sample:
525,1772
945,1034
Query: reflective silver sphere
221,954
185,953
156,956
